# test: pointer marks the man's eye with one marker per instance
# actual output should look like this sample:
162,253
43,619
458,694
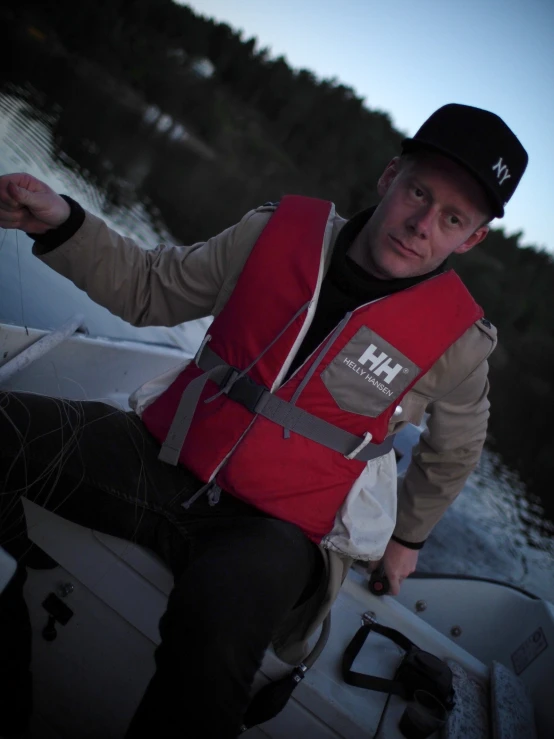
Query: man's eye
454,220
418,192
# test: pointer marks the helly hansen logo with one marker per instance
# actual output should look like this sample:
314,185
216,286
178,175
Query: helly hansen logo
502,171
368,374
380,364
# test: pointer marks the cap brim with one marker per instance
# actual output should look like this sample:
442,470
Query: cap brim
496,204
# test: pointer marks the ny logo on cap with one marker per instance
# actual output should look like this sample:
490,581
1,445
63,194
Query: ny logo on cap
502,171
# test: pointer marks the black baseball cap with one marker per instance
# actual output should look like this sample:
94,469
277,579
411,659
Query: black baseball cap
481,142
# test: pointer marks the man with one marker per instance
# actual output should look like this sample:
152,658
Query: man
263,468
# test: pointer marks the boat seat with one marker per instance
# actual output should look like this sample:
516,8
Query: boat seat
499,707
511,707
469,719
102,563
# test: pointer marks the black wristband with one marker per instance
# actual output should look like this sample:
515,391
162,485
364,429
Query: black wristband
408,544
49,240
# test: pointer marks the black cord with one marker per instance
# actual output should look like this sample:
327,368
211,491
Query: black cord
383,712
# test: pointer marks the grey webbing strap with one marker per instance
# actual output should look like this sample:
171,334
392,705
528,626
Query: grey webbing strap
221,373
306,424
207,360
171,448
218,371
287,415
245,371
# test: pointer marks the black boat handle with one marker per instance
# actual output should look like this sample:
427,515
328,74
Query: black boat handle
379,582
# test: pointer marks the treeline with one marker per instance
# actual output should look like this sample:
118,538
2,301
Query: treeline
515,286
274,130
317,132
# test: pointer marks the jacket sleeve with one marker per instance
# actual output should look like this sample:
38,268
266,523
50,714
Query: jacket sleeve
164,286
448,451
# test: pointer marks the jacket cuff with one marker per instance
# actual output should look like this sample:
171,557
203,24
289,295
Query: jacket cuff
53,238
408,544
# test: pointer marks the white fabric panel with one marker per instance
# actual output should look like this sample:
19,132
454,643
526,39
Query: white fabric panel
147,393
365,522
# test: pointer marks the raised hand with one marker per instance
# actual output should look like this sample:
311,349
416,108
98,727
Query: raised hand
29,204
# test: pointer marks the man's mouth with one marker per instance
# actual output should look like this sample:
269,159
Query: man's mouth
404,247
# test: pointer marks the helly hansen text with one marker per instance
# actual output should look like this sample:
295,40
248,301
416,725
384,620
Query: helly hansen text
380,364
367,377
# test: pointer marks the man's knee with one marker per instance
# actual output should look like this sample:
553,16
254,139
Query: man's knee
242,582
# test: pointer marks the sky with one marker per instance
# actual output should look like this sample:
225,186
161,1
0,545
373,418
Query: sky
408,57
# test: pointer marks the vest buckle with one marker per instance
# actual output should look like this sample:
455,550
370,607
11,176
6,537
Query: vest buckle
247,392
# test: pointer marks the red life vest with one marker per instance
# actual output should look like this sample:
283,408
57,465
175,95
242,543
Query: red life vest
354,380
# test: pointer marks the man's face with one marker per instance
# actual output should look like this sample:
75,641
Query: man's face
430,208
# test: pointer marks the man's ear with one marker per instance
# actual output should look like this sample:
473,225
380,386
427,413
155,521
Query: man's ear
476,238
389,175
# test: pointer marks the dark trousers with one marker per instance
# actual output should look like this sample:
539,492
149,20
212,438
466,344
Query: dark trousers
237,572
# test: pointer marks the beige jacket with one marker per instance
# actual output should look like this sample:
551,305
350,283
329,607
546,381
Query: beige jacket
170,285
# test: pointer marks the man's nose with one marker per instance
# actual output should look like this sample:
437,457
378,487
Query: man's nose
419,223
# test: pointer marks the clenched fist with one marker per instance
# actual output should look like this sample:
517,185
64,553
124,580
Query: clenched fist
29,205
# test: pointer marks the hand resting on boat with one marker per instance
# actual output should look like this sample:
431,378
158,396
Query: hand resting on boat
399,562
29,204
